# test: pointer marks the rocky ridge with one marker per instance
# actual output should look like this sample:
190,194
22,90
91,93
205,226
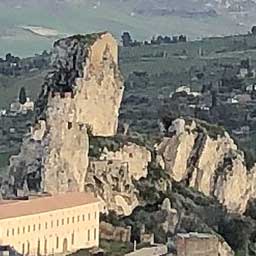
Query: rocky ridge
204,157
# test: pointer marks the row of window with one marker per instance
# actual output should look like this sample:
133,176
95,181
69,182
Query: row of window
68,220
57,242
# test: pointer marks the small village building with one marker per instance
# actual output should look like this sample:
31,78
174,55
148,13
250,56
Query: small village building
197,244
50,225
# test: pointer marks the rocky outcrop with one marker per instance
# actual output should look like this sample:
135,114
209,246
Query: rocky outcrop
110,180
206,158
87,67
137,158
224,249
81,95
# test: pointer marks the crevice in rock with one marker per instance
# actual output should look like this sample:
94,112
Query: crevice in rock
194,157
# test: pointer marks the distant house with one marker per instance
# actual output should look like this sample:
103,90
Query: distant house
185,89
232,100
250,88
3,112
17,107
243,72
195,244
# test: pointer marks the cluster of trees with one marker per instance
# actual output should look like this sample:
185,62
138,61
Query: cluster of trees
129,42
168,40
15,66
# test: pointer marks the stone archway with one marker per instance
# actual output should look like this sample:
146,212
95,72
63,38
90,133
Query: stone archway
65,245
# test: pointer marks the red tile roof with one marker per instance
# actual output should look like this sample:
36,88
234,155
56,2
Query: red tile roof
45,204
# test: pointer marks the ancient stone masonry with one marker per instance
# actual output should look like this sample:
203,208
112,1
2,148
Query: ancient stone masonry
208,160
83,91
110,180
137,158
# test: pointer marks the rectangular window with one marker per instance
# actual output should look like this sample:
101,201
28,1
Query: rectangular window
45,225
62,221
95,233
23,249
34,227
89,216
89,234
69,125
52,224
57,223
73,238
78,218
7,233
13,231
83,217
57,242
73,219
39,226
67,220
18,231
23,230
95,215
28,228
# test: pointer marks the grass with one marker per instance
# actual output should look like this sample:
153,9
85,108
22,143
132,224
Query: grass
10,86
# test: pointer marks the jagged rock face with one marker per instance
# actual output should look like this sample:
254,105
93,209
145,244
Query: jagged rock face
136,157
212,165
66,148
93,77
224,249
110,180
83,91
111,176
25,168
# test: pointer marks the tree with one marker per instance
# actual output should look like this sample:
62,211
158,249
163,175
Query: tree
8,57
127,40
22,96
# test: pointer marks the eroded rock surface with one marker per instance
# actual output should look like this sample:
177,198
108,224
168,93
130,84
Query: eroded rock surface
206,158
137,159
110,179
81,94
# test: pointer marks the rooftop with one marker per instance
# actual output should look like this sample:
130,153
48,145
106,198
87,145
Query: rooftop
196,235
45,204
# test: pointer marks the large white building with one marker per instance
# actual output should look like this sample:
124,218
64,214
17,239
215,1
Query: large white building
50,225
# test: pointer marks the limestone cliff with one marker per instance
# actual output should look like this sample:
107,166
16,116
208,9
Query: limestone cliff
115,163
137,158
83,92
206,158
87,68
111,181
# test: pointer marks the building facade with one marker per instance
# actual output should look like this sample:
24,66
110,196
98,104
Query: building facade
51,225
196,244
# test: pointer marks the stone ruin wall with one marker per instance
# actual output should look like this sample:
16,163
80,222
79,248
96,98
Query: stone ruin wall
111,181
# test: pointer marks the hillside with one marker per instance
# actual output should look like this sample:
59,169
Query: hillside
24,24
